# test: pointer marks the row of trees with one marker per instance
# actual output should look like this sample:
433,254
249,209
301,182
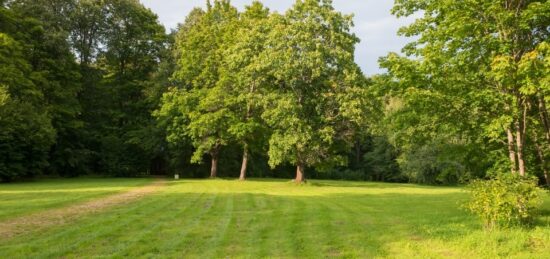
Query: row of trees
98,86
257,79
80,80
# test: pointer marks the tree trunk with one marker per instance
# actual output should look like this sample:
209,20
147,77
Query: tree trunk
519,144
242,177
543,166
542,158
357,154
545,121
521,128
214,168
546,176
300,173
511,151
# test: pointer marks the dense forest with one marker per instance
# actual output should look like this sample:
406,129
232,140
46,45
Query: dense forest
93,87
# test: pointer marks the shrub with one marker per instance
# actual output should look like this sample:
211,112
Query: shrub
504,201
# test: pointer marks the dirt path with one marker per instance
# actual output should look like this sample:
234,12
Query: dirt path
54,217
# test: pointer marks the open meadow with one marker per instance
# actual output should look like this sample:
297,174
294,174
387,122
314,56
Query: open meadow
253,219
101,100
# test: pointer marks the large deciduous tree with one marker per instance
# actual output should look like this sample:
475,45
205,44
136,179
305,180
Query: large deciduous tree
315,90
244,82
134,42
469,78
200,106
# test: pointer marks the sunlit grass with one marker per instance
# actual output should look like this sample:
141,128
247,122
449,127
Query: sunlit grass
278,219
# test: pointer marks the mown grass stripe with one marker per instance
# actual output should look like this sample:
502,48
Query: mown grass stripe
168,218
59,240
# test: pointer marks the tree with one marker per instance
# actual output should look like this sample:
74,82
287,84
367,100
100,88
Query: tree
462,79
134,42
315,92
49,54
87,31
26,131
200,105
240,76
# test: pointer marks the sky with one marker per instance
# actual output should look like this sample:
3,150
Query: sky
374,24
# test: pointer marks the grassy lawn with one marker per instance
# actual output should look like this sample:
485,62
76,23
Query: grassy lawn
276,219
17,199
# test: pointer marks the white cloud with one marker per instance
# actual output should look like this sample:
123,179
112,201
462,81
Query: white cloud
375,25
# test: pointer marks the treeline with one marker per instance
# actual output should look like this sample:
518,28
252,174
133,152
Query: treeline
98,87
78,86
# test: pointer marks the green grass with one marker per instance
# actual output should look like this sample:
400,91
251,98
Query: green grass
277,219
17,199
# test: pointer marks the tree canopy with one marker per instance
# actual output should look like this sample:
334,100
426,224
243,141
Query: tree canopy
99,87
469,82
242,74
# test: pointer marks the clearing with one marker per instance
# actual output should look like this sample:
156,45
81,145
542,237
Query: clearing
257,218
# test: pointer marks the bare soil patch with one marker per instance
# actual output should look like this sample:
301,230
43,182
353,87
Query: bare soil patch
60,216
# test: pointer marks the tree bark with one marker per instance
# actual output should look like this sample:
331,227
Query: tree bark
300,173
244,165
545,121
357,154
511,151
214,168
546,175
520,139
543,166
519,144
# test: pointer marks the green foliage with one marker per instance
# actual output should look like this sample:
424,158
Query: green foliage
53,74
314,96
99,108
119,45
381,161
200,108
506,200
26,131
440,163
468,81
256,79
244,84
97,86
25,138
134,43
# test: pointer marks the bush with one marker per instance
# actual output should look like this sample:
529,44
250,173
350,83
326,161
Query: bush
504,201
